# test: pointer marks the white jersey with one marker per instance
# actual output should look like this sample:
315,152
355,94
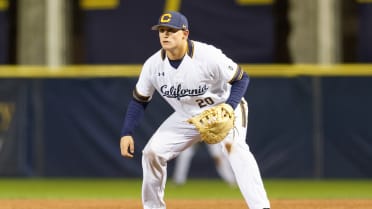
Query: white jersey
200,81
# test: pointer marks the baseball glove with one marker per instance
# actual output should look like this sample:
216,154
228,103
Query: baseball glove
215,123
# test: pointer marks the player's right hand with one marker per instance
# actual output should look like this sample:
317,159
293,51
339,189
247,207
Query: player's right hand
127,146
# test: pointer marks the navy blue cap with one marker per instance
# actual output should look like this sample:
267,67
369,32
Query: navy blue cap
172,20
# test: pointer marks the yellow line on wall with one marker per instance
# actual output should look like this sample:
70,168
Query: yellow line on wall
4,4
99,4
256,70
172,5
308,70
74,71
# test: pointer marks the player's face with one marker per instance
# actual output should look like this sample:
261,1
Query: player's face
171,38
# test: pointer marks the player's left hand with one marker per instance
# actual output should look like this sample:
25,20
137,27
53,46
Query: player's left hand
215,123
127,146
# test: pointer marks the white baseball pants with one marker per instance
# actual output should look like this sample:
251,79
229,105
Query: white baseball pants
175,135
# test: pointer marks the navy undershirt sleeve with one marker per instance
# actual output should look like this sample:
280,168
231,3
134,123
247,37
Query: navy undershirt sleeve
134,114
238,89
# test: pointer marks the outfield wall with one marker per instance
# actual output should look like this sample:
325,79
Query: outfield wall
304,121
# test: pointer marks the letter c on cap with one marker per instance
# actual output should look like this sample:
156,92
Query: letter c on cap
165,18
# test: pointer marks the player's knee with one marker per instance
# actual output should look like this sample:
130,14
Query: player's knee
150,155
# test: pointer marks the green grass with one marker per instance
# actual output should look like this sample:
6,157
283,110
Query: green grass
195,188
69,188
327,189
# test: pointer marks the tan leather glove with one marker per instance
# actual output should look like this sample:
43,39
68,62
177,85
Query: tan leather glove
215,123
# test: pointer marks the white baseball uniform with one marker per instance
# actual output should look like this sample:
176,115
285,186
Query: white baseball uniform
200,82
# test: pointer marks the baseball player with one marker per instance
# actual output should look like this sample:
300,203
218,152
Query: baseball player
191,76
183,161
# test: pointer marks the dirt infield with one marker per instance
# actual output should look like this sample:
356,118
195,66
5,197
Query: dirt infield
180,204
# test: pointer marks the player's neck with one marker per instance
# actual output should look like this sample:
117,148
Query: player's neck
178,53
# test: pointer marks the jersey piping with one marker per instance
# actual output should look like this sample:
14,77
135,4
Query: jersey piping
137,96
237,76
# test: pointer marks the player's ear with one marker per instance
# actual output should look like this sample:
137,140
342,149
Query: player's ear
186,33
